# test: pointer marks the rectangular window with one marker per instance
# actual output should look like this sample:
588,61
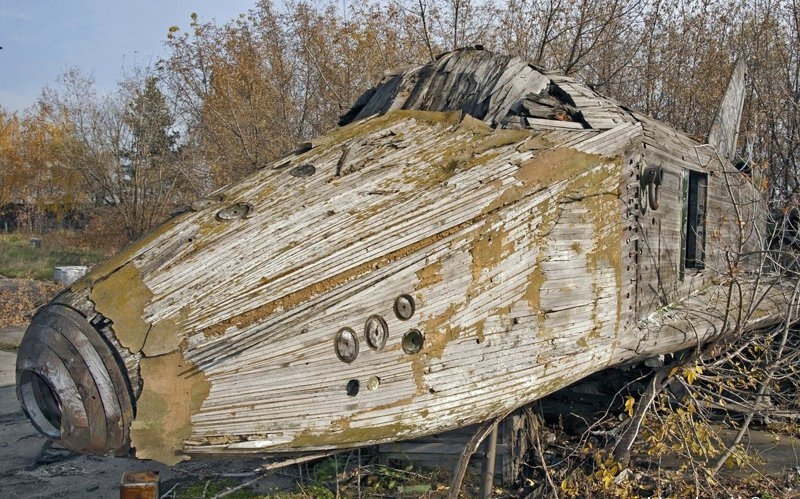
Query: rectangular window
696,221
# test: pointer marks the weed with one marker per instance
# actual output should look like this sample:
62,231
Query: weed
209,488
8,347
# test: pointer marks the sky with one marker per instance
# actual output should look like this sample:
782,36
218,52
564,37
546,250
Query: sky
104,38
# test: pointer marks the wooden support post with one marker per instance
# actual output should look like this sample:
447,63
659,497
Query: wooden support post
140,485
487,470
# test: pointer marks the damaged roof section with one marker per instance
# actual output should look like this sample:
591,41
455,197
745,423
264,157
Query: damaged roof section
502,91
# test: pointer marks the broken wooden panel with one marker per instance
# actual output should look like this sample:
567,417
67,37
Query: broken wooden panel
725,128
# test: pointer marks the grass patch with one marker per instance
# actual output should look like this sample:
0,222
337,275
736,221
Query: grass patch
209,488
20,258
8,347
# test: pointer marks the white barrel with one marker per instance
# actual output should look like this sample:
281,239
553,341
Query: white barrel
65,276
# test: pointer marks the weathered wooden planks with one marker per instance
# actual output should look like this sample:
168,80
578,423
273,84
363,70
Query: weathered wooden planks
500,265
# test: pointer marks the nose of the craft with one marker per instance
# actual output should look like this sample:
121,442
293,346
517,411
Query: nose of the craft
71,385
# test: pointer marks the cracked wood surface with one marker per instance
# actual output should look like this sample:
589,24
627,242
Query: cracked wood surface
526,253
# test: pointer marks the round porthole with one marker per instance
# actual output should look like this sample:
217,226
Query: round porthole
412,341
376,332
346,345
404,307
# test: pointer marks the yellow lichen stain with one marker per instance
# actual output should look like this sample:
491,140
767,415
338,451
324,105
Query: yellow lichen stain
341,433
555,165
533,295
169,399
125,256
438,333
501,138
164,336
576,247
406,401
418,373
606,217
489,248
549,211
293,299
543,170
477,145
535,143
429,275
479,330
121,296
582,343
361,128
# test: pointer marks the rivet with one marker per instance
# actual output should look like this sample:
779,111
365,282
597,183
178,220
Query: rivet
352,387
373,383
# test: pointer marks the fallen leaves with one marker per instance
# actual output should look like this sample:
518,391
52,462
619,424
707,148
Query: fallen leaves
19,299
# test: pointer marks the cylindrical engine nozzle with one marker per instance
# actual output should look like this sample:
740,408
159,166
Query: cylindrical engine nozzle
71,385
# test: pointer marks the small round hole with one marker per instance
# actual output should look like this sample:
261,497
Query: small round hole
412,341
352,387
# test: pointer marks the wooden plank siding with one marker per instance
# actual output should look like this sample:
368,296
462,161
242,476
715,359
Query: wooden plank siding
524,249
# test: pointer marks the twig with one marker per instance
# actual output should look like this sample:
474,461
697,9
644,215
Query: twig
167,493
469,449
267,468
545,469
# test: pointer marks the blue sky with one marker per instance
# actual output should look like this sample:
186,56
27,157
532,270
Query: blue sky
105,38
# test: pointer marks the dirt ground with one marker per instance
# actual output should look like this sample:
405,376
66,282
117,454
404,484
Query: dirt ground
30,469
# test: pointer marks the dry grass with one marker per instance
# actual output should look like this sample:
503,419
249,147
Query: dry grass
21,258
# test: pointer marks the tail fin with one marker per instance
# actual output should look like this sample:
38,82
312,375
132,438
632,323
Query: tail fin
725,129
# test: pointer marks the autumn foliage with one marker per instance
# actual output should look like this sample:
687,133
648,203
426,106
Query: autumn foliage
232,96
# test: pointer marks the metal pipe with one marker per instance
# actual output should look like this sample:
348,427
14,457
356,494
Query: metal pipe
487,470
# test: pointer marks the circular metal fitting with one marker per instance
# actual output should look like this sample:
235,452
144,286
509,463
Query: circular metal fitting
235,211
346,345
404,307
413,341
376,332
305,170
